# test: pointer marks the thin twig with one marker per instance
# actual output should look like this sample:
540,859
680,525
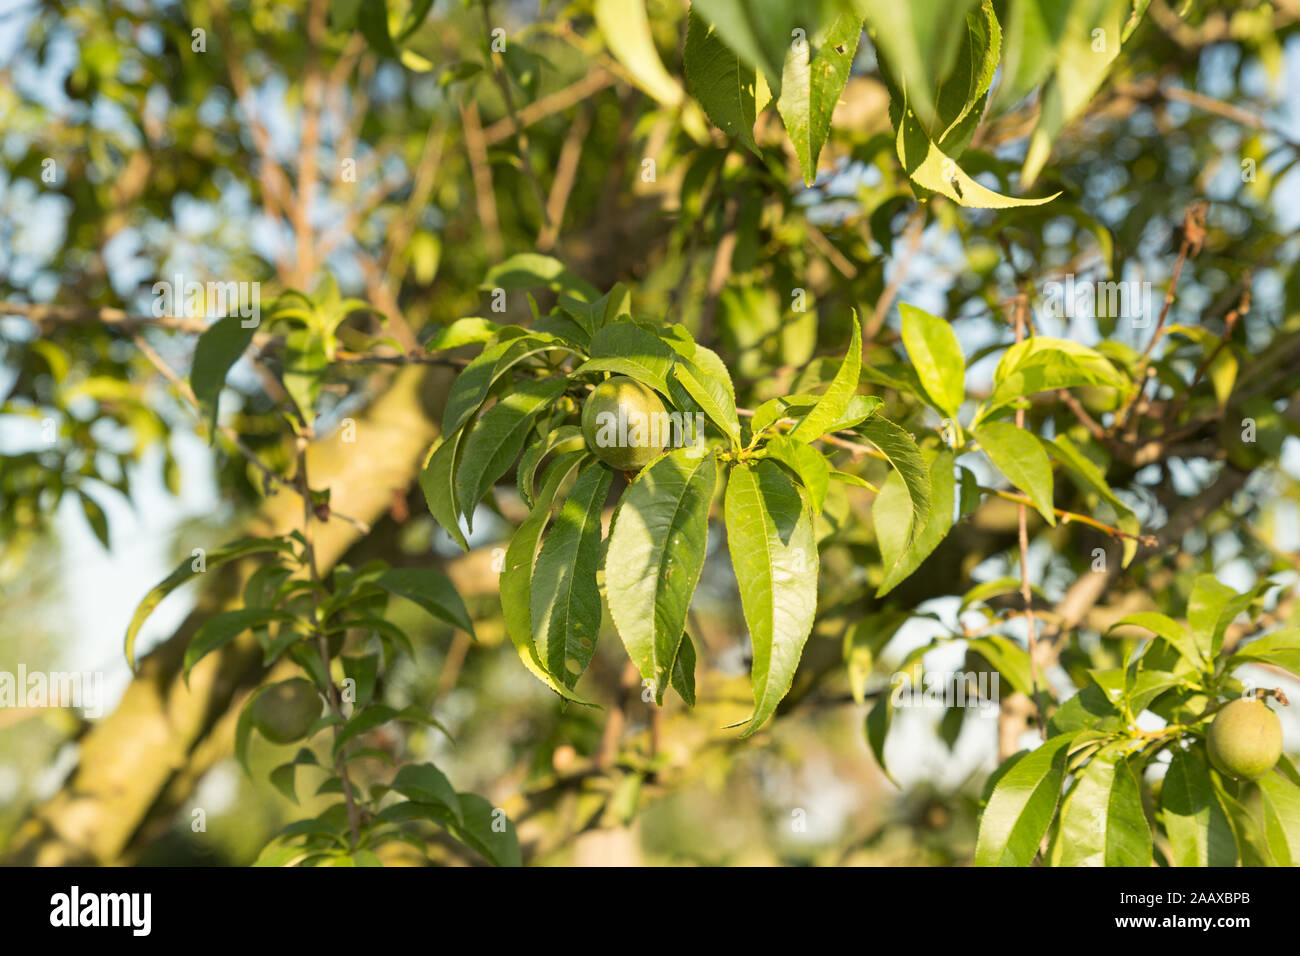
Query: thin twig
272,477
481,174
1087,421
44,316
566,174
1192,239
322,642
913,230
1073,517
831,253
1229,323
598,79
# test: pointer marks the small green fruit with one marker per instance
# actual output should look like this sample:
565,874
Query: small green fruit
284,712
1245,739
625,423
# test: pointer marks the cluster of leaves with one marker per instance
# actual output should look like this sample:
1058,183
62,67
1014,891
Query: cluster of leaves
518,401
1082,789
937,58
91,427
335,631
908,530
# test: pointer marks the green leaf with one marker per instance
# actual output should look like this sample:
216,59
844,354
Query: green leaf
1041,364
920,41
774,553
530,270
560,441
878,722
980,593
897,445
96,518
1009,658
902,554
1253,847
831,407
811,85
656,551
615,305
712,396
761,31
863,641
372,19
859,409
963,94
808,465
1144,686
1090,477
1194,820
438,482
466,331
625,348
712,366
489,831
218,348
1031,29
284,779
1212,607
222,628
1170,631
185,571
244,731
720,82
473,385
683,671
933,349
936,172
425,783
1089,40
1022,805
517,573
1281,649
564,602
432,591
363,671
305,363
626,30
363,721
1019,455
1281,804
1102,821
414,18
496,438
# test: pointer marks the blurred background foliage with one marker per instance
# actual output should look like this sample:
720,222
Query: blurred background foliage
129,154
